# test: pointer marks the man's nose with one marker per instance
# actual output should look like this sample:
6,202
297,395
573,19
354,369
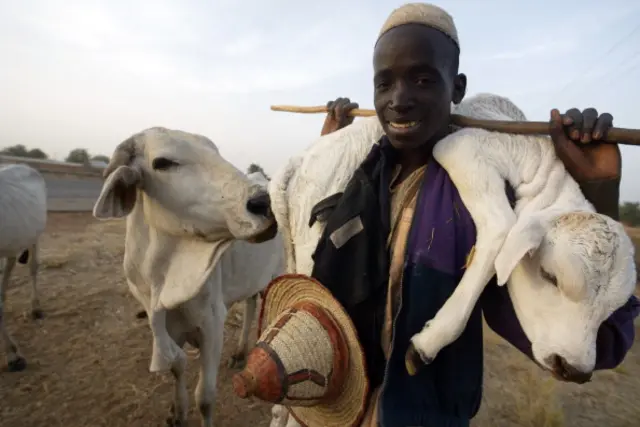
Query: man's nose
401,98
260,204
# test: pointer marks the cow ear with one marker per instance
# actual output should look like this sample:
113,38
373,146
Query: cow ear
118,195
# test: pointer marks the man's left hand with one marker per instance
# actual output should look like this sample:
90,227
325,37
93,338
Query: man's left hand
576,136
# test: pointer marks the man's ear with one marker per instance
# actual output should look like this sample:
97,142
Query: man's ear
525,237
118,195
459,88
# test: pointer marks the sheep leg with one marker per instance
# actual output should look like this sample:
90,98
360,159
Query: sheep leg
15,361
493,217
36,311
238,358
210,356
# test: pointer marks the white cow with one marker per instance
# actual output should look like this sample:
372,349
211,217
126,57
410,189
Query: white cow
187,258
567,267
239,356
23,218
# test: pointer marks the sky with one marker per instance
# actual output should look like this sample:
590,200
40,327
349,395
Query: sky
90,73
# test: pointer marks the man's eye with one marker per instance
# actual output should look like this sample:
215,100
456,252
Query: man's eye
425,81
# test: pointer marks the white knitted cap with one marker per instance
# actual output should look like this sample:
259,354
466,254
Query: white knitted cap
423,14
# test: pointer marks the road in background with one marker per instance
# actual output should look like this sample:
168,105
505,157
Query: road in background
73,194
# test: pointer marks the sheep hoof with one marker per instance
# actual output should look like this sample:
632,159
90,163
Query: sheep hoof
17,365
414,361
237,361
37,314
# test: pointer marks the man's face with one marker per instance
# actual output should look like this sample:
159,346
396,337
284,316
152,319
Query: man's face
415,81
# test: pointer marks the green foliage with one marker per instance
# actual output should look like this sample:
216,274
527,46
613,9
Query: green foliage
630,213
20,150
78,155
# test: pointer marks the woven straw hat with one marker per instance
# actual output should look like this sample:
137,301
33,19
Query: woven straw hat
308,357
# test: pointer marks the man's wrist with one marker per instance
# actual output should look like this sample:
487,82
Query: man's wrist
604,195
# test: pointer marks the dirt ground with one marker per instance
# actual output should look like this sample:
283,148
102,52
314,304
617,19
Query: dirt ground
88,358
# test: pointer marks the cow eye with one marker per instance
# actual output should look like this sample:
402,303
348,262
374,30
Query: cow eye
162,163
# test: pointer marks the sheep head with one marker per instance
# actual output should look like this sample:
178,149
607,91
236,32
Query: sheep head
184,186
567,274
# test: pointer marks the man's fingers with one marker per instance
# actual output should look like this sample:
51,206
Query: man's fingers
575,128
566,149
602,126
589,118
350,106
556,125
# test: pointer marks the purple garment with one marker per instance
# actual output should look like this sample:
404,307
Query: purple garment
445,233
443,238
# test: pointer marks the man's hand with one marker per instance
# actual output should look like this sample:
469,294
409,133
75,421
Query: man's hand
576,136
338,116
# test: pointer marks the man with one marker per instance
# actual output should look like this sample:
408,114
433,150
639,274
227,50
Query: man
388,294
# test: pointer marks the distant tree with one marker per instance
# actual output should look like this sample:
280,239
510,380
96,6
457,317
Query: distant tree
254,167
630,213
100,158
20,150
37,153
78,155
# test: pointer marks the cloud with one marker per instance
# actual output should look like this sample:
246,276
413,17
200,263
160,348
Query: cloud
160,43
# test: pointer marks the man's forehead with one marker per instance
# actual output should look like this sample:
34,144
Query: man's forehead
413,45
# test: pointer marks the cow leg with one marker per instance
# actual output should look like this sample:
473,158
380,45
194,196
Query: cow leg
211,342
180,406
15,361
167,355
36,311
239,357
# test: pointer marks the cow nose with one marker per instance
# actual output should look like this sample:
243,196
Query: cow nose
565,370
260,204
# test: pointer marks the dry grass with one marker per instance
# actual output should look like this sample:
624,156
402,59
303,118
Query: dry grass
88,359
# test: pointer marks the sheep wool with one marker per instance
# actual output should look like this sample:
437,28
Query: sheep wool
424,14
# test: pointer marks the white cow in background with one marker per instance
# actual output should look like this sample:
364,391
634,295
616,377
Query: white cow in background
567,267
23,218
190,216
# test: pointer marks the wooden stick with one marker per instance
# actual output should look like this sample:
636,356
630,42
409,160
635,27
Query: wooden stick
615,135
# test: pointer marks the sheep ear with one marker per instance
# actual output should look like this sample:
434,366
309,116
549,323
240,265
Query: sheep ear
525,237
118,195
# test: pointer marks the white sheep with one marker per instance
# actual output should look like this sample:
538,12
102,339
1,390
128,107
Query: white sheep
23,218
567,268
186,256
553,226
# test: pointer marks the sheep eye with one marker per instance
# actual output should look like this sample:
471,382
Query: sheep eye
162,163
549,277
